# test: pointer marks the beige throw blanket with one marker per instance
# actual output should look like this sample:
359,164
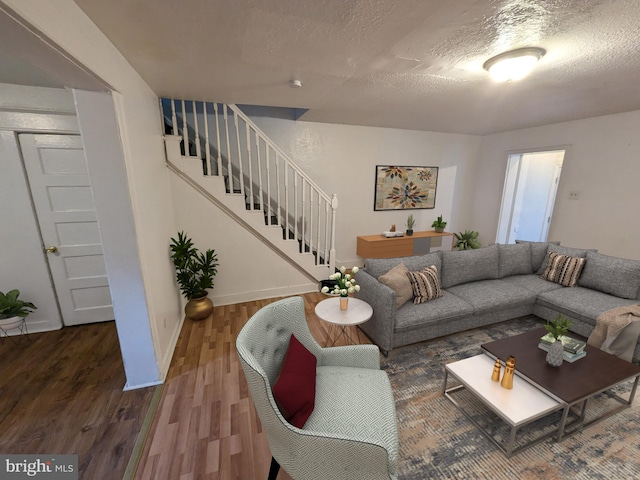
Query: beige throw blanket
617,331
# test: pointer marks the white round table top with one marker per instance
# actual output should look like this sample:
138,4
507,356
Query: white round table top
358,312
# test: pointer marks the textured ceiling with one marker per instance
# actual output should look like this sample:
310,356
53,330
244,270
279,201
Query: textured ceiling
412,64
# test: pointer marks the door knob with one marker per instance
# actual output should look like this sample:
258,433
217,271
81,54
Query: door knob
53,249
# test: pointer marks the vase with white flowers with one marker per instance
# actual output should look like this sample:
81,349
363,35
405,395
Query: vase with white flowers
345,283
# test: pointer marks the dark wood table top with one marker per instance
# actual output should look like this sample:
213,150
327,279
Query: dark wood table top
570,382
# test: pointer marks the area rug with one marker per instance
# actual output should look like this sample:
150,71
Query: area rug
437,441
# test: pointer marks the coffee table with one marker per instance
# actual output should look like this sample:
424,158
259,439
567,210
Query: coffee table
568,386
328,310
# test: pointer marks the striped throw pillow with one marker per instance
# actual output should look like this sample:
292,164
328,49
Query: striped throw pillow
563,269
425,284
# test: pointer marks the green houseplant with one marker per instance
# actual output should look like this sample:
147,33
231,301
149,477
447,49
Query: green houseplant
195,272
557,328
467,240
13,310
410,223
439,224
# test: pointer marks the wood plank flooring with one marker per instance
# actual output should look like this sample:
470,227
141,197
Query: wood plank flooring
61,392
206,426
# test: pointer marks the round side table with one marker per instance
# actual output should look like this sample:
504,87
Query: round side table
328,310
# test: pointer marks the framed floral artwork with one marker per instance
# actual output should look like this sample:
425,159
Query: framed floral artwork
402,188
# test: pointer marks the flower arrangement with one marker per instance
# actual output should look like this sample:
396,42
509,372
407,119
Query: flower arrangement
345,282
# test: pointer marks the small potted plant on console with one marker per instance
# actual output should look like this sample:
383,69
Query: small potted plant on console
439,224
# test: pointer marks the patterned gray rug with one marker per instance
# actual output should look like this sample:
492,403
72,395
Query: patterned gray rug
437,441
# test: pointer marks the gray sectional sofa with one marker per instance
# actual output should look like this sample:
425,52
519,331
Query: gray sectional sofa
494,284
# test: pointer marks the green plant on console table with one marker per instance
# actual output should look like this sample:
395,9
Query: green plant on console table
410,223
439,224
558,327
11,307
467,240
194,270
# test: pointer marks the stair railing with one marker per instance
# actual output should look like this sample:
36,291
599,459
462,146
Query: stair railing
231,145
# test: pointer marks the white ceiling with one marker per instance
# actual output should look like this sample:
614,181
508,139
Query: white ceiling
412,64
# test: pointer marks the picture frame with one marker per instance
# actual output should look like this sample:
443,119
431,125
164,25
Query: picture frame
405,187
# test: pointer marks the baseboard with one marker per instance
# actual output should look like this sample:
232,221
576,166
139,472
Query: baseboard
283,291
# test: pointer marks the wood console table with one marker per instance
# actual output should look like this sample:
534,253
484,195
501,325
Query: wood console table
420,243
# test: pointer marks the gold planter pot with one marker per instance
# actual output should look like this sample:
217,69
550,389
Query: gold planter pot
198,308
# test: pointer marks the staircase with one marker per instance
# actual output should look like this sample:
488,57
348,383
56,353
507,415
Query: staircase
222,154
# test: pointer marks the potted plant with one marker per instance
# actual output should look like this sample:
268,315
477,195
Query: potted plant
557,328
410,223
194,272
439,224
467,240
12,310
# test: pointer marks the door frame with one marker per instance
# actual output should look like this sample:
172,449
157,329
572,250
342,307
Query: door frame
550,201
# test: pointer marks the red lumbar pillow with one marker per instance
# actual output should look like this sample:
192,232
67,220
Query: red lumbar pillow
295,387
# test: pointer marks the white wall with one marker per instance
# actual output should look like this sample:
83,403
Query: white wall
248,269
341,159
146,175
601,164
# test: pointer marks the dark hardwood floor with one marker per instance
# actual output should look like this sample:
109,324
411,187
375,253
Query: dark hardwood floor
61,392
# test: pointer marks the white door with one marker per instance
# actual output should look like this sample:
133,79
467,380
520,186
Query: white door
63,201
531,184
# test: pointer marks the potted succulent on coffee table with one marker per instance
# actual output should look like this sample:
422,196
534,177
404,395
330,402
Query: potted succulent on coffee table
13,311
194,272
557,328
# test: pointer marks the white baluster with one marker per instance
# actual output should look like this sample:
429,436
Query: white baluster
332,251
295,205
185,130
268,185
218,144
303,223
240,174
279,212
310,218
286,200
174,121
207,145
250,159
229,169
260,192
326,232
318,231
195,126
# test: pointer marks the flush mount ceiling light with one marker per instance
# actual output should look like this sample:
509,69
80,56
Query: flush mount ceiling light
514,64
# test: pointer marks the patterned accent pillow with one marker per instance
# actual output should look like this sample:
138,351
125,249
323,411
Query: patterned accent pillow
563,269
295,388
425,284
396,279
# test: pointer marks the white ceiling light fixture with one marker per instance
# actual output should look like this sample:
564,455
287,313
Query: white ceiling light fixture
513,65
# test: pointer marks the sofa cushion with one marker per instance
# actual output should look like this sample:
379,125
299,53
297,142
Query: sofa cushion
469,265
425,284
568,251
617,276
396,279
538,252
531,282
447,308
515,259
492,295
563,270
295,388
379,266
581,303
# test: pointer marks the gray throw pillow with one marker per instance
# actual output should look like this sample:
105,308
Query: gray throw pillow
462,266
538,252
613,275
568,251
515,259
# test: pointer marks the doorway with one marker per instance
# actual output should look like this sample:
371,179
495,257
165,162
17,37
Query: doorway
530,188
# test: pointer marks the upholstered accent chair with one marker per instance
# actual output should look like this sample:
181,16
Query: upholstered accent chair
352,431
